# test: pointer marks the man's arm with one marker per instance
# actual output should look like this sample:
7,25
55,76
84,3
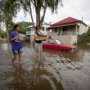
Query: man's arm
14,38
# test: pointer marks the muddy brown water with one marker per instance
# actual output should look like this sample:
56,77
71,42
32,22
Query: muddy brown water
51,71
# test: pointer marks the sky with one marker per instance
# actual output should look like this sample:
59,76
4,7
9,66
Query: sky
71,8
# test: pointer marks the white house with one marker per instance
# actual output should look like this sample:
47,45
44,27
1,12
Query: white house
68,30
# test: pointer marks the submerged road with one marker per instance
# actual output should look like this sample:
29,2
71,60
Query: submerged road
50,72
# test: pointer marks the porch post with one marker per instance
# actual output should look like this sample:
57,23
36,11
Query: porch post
76,30
61,32
77,33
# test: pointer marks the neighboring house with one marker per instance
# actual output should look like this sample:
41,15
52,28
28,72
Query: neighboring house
68,30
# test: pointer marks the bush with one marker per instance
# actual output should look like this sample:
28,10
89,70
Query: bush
84,39
3,34
24,26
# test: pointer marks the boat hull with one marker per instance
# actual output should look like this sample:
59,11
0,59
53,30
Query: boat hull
58,47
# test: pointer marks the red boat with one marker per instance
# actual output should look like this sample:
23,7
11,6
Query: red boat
58,47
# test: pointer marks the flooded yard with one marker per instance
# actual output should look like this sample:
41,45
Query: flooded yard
51,71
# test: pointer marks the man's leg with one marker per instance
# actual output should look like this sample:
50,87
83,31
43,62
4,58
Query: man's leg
19,57
15,56
20,54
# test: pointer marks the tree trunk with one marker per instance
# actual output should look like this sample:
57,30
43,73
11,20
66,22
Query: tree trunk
38,17
38,25
31,14
44,12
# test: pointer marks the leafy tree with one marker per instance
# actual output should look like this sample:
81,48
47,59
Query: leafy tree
1,10
39,6
3,34
84,39
12,6
10,9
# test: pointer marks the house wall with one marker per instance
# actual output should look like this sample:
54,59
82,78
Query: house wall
68,39
65,39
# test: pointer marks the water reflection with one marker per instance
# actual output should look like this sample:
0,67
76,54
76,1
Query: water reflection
20,79
36,79
69,60
44,74
73,56
4,46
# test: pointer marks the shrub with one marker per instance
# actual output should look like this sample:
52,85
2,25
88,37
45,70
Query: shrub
84,39
3,34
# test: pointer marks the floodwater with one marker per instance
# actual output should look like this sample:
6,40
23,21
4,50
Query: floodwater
44,71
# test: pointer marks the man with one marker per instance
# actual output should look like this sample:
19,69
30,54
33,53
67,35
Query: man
16,43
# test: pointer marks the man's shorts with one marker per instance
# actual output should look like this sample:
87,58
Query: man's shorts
17,51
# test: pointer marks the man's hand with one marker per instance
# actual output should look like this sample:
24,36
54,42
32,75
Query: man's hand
15,38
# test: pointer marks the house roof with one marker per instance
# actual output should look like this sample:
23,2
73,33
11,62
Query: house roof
65,22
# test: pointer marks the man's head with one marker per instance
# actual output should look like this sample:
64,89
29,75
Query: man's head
16,27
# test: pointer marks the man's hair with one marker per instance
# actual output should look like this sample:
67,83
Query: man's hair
15,26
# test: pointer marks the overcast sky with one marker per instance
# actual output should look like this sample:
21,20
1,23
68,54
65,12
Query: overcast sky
73,8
